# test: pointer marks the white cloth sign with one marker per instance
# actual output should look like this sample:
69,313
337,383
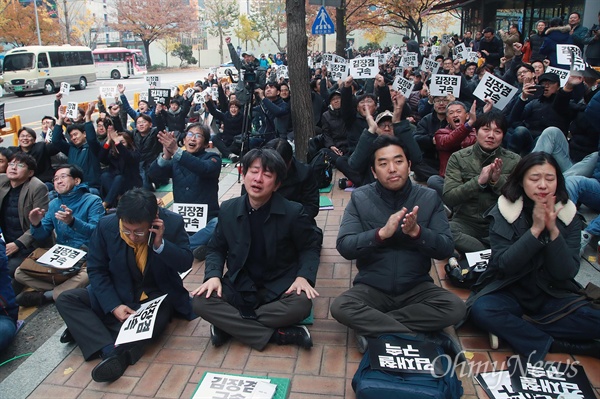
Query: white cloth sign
563,74
442,85
563,53
108,92
410,60
495,88
216,385
430,66
71,110
364,68
65,88
153,80
403,86
61,256
140,325
194,215
338,71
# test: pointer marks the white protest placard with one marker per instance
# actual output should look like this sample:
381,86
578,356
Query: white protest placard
563,53
435,50
153,80
430,66
479,260
194,215
446,38
442,85
189,92
364,68
410,60
578,65
108,91
382,58
214,93
61,256
282,72
460,51
563,74
199,98
213,70
140,325
399,71
144,96
338,71
71,110
403,86
471,55
65,88
328,58
217,385
495,88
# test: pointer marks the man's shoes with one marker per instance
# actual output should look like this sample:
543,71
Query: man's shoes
200,252
112,367
585,348
361,343
449,344
234,158
585,240
30,299
218,337
66,337
294,335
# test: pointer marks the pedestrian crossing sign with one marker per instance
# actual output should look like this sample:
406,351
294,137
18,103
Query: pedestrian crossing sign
323,24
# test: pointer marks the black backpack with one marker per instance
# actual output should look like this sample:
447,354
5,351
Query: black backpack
322,169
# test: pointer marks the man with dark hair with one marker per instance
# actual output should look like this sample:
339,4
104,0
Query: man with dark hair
578,31
392,228
592,52
195,173
134,256
143,107
83,148
474,177
273,111
41,151
272,252
20,192
48,123
491,47
73,216
145,137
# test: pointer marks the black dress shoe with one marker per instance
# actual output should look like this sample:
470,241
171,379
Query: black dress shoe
66,337
112,367
218,337
585,348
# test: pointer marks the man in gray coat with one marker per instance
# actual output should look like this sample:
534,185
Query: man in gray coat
393,228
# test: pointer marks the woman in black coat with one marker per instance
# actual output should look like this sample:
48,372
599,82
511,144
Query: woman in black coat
526,296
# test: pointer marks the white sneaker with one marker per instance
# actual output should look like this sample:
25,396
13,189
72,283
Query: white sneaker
585,240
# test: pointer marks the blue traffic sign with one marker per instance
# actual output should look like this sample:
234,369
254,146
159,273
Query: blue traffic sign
323,24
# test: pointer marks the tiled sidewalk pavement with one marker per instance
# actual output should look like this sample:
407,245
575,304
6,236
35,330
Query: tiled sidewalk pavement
173,366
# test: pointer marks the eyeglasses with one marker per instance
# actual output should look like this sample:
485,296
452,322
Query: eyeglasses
191,135
135,233
521,73
440,101
18,165
61,177
386,125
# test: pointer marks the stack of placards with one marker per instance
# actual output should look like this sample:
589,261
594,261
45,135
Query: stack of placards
220,385
542,380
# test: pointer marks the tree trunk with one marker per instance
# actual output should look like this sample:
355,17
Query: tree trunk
298,71
340,30
146,44
221,45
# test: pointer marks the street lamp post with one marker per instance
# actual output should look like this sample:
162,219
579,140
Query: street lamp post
37,22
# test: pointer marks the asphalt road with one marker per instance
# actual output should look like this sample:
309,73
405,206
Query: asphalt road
33,107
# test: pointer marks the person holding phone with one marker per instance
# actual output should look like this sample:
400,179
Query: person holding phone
272,251
531,114
134,256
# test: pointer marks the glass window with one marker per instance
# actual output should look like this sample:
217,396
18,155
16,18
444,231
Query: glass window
42,60
19,62
57,59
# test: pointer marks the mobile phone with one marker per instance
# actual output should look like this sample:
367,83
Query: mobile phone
151,236
539,91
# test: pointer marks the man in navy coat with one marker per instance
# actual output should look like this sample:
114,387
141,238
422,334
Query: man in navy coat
134,256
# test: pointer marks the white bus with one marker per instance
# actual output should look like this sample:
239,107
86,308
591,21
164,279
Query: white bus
119,62
42,68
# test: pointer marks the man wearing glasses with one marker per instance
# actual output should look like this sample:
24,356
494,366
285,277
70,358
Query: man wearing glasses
73,215
195,173
134,256
20,192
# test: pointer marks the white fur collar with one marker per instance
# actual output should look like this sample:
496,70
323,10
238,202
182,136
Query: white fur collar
511,210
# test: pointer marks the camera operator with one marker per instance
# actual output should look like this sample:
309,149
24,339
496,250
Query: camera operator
249,71
273,111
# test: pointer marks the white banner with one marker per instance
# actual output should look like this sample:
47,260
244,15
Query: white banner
410,60
495,88
403,86
430,66
65,88
140,325
71,110
364,68
442,85
563,53
153,80
108,92
194,215
62,256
